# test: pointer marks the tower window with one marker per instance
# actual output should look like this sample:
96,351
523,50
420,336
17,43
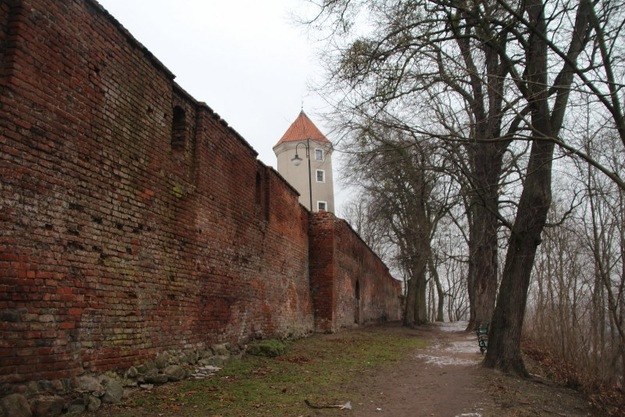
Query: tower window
322,206
321,175
318,154
178,128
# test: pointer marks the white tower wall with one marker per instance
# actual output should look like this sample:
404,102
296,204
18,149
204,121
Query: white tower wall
321,176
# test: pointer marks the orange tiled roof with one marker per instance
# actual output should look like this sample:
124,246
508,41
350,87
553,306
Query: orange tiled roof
301,129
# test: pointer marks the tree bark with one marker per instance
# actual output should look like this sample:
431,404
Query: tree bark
422,311
411,302
415,310
440,294
504,342
486,160
483,243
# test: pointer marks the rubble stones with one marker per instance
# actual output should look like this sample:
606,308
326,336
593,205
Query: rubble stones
153,377
44,397
221,349
77,406
47,406
93,403
146,367
218,360
32,388
45,386
205,371
127,382
162,360
57,386
131,373
87,383
191,357
15,405
114,392
175,372
205,361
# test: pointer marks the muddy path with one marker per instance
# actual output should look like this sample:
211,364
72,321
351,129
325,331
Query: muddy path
446,380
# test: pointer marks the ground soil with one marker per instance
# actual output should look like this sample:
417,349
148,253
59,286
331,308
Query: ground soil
446,380
443,379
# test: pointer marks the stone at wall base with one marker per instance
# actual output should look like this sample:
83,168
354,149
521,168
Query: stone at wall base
93,403
47,406
114,392
15,405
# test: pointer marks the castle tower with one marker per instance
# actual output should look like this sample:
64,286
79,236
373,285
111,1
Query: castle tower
311,172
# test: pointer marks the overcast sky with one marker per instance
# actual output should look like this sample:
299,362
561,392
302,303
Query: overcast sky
246,59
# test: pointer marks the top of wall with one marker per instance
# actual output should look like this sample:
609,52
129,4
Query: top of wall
161,67
324,216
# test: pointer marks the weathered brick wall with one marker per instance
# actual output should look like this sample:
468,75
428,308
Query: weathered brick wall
350,284
322,250
119,238
133,220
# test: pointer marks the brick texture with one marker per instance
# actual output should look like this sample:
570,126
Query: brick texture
134,220
350,284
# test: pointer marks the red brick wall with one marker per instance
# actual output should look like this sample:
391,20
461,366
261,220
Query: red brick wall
350,284
114,244
322,250
4,29
133,220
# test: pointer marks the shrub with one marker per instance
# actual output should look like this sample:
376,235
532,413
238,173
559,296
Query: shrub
268,348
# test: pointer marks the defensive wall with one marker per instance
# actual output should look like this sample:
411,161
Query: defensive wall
350,284
134,220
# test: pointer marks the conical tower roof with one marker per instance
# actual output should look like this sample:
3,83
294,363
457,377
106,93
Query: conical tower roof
301,129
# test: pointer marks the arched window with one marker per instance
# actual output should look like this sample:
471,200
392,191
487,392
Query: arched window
178,128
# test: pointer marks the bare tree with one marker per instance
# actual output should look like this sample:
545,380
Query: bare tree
576,308
397,178
604,236
428,72
484,73
440,292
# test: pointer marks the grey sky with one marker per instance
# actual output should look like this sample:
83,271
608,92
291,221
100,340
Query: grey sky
245,58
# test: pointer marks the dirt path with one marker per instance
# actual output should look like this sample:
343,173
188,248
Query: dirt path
442,379
446,380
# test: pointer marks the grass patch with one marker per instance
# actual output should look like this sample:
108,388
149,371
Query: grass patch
269,348
319,368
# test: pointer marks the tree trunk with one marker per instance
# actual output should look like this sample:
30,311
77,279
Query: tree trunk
415,312
471,290
440,316
504,342
504,339
422,311
411,302
483,244
431,301
440,307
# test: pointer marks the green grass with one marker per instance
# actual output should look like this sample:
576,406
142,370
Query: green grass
320,368
269,348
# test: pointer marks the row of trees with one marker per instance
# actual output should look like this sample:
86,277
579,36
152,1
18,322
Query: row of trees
454,113
577,300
